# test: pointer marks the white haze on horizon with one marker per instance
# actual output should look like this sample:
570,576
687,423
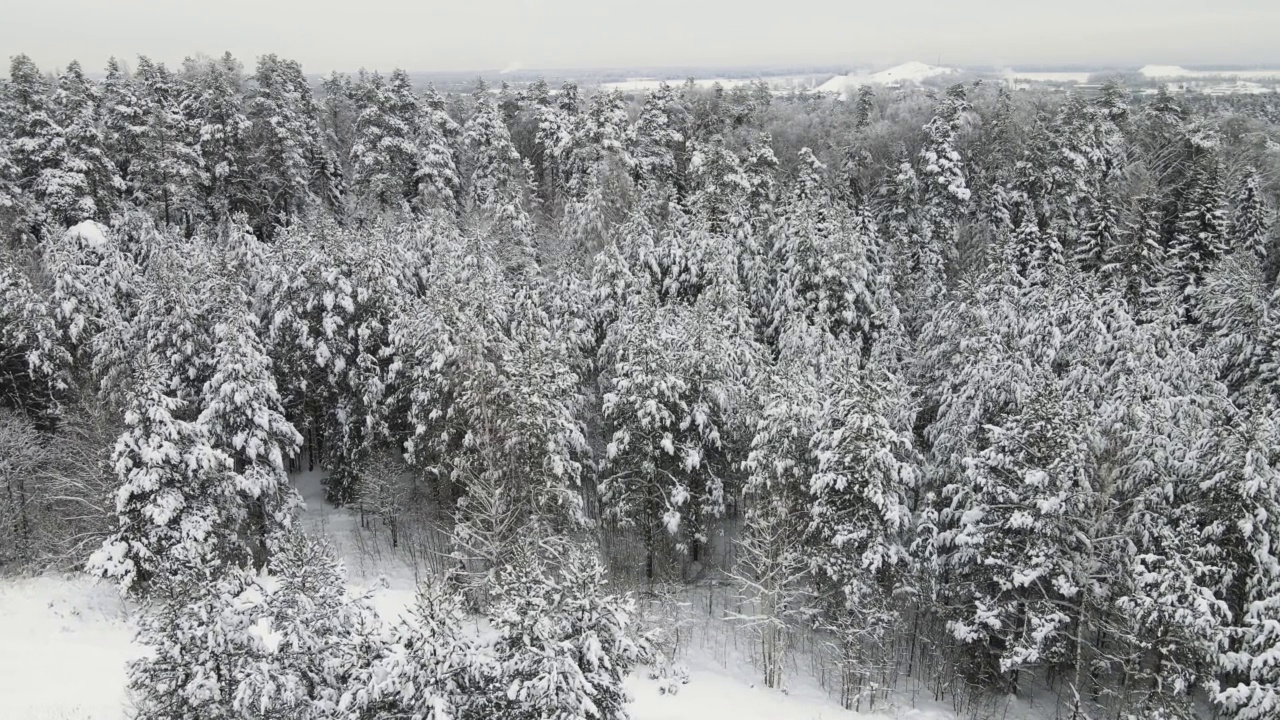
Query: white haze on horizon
487,34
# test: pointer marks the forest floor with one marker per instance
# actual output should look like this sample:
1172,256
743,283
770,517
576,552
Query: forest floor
65,642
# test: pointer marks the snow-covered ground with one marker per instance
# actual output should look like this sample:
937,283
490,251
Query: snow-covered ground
909,72
1046,77
776,83
1156,72
65,642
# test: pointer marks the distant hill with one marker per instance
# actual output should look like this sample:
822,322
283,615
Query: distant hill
909,72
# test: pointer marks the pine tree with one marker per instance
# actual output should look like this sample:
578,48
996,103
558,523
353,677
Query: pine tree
36,147
88,185
384,154
1243,511
124,124
563,647
655,138
338,117
289,161
921,265
493,164
163,174
944,191
34,362
821,257
829,475
1137,263
228,645
1251,219
1012,542
174,496
863,107
437,166
1200,233
216,108
243,417
719,185
430,668
1101,233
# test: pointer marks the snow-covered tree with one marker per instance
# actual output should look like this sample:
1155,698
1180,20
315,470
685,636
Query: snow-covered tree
821,257
330,314
384,154
230,644
215,104
288,162
1251,218
35,364
1200,232
87,184
1014,535
564,645
944,191
437,176
162,175
492,164
655,139
674,376
242,414
174,498
829,477
428,668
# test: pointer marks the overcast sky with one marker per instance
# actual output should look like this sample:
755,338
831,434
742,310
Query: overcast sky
491,34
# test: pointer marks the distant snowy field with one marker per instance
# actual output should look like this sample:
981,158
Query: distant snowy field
1047,77
1174,72
776,83
65,641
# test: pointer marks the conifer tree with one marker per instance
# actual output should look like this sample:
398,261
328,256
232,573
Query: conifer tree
384,153
1200,233
243,416
437,177
289,161
35,149
944,191
493,165
1101,233
164,172
216,107
821,257
1251,219
655,138
88,185
124,123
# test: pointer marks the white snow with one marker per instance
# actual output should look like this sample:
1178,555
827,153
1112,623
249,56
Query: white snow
909,72
1047,77
65,642
776,83
392,580
1239,87
1175,71
715,693
91,234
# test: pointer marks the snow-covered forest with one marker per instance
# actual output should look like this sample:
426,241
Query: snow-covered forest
956,388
